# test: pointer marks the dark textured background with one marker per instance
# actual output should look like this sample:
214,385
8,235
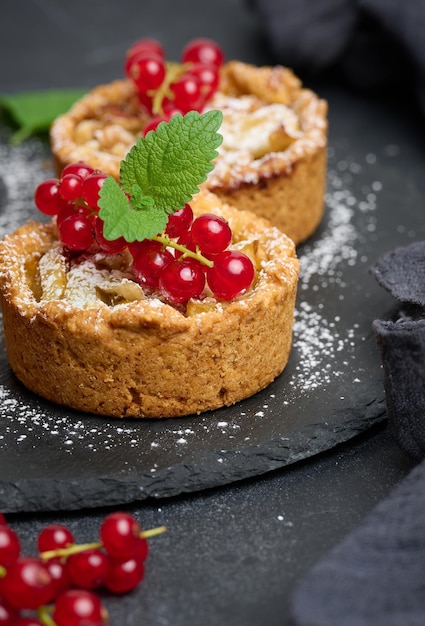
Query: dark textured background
232,555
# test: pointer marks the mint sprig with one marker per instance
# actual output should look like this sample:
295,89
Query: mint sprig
159,175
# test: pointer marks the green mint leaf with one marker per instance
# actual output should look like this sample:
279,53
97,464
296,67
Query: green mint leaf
169,164
132,220
34,111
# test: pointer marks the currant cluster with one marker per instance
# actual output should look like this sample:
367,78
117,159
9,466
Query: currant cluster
167,88
178,264
58,588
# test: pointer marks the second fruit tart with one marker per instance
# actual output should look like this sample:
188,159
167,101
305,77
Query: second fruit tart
273,157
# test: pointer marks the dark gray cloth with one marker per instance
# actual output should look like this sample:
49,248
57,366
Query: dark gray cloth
376,576
372,44
402,344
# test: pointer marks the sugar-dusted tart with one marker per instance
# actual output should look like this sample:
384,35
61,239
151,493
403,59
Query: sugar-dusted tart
81,332
273,157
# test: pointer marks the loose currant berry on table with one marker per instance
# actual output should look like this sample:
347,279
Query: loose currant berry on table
182,280
88,569
149,261
179,222
53,537
10,546
76,233
231,275
124,576
8,614
91,187
119,533
211,233
27,621
203,50
60,577
77,607
27,584
47,197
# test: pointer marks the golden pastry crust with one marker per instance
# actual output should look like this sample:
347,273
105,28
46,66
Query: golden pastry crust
145,358
285,183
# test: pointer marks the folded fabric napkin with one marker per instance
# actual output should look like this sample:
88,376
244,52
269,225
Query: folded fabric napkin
376,576
372,44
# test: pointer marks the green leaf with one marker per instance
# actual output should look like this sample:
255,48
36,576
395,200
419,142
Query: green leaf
170,164
122,218
34,111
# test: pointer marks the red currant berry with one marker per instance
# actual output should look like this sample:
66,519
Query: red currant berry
71,187
208,76
88,569
58,571
144,46
119,533
91,187
182,280
8,615
71,210
187,93
123,576
141,550
147,71
79,169
231,275
169,108
145,101
77,607
76,233
10,546
180,221
211,233
3,520
111,246
54,537
153,124
203,50
47,197
27,584
149,263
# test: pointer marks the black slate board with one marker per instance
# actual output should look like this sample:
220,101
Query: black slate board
52,458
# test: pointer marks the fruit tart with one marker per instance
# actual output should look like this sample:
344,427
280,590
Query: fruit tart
147,297
273,157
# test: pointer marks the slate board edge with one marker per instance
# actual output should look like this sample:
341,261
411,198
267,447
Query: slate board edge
42,495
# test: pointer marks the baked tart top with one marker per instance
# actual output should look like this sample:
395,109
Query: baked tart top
124,251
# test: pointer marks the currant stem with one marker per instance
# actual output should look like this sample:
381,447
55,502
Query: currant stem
3,571
45,617
82,547
173,71
167,241
153,532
